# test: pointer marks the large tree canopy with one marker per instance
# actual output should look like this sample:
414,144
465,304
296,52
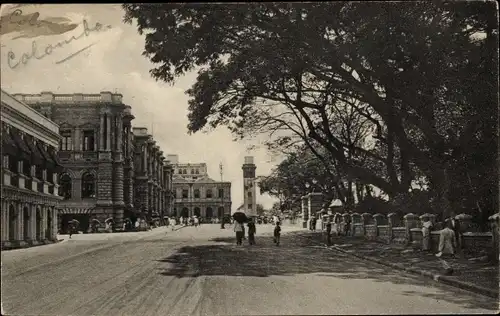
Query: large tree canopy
422,76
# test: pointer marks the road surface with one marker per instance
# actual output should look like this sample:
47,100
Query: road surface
199,271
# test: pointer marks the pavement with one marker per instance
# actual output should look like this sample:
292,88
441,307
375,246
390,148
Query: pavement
478,276
200,271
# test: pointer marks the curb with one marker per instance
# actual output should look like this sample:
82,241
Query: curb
436,277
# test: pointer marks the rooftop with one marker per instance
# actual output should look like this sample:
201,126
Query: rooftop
49,97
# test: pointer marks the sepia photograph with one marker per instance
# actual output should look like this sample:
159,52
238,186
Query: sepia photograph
250,158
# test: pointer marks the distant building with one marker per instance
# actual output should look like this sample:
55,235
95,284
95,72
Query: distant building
30,169
196,193
96,151
153,177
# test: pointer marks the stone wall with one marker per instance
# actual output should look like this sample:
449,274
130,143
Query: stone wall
381,228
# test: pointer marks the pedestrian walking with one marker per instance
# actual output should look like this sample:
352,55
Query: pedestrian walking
238,229
71,228
251,232
329,233
196,221
277,233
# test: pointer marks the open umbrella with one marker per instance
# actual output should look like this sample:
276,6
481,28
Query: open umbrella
240,217
95,221
109,220
75,222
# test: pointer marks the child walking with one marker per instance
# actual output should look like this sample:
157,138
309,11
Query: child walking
277,233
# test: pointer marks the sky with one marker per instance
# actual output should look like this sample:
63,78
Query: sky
111,60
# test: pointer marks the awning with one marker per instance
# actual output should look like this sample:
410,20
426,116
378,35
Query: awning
23,149
9,146
36,157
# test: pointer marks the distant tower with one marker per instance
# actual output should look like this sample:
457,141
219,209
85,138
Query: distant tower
249,187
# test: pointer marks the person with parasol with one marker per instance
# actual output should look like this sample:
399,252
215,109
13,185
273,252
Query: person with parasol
239,219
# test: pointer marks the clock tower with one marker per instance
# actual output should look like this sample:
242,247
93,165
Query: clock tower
249,187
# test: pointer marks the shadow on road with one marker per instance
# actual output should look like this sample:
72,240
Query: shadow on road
294,256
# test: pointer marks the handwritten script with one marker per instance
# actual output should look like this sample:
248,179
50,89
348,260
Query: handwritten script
18,18
40,53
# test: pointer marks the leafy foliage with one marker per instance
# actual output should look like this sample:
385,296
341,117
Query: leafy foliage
382,93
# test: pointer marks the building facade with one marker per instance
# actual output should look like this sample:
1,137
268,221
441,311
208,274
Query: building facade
153,177
30,168
249,187
196,194
96,150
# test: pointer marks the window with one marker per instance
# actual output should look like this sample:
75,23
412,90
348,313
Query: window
184,171
66,141
13,164
196,193
26,168
249,194
250,206
197,171
221,193
192,171
209,193
185,193
65,186
88,140
88,186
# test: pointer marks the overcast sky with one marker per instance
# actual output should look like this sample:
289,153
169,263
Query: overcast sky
113,62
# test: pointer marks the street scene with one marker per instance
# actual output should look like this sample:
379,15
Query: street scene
200,271
250,159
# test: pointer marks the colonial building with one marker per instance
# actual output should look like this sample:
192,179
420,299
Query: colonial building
196,193
30,169
96,150
153,177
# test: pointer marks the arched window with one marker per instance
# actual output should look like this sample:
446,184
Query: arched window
88,186
197,171
65,186
184,171
196,193
192,171
209,193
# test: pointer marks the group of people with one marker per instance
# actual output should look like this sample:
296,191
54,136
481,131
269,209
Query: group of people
239,229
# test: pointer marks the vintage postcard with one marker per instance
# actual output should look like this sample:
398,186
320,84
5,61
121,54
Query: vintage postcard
284,158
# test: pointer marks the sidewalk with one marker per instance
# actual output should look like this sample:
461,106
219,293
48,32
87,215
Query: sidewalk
475,276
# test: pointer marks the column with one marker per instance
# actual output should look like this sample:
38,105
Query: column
108,133
119,130
101,134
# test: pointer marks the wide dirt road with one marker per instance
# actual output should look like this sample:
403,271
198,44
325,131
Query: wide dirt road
199,271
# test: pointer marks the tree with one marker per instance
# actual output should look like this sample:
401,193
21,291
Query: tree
413,71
